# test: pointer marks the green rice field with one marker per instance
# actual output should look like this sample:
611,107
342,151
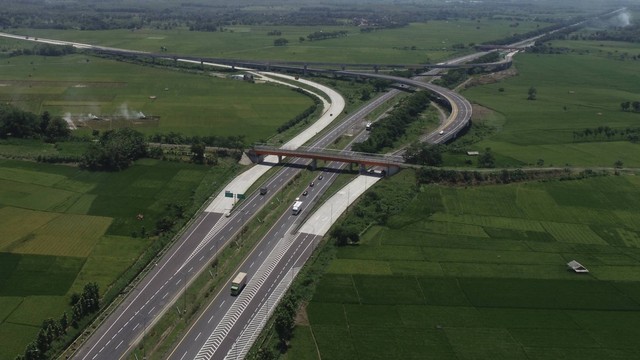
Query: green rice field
574,92
432,41
63,228
480,273
78,87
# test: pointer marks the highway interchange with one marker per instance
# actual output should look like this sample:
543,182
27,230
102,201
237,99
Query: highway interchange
165,283
220,329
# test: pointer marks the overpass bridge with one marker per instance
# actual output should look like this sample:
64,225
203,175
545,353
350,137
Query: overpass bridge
391,163
303,67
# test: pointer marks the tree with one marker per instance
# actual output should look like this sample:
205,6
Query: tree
280,42
197,153
284,324
345,234
265,354
636,106
532,93
365,94
91,295
625,105
115,150
64,322
618,164
57,129
424,154
486,159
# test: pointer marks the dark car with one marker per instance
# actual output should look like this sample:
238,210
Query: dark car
305,193
320,177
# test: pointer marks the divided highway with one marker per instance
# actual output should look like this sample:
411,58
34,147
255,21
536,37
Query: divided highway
226,330
163,285
165,282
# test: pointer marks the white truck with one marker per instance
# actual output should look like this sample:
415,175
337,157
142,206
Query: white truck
238,283
297,206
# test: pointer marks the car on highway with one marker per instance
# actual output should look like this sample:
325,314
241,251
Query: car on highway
441,132
311,184
320,177
305,193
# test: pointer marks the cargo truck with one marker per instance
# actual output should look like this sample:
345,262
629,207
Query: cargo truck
297,206
238,283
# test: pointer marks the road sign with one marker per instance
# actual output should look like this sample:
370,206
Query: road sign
240,196
228,194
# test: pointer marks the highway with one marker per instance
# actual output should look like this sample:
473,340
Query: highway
163,286
165,282
219,329
218,332
200,243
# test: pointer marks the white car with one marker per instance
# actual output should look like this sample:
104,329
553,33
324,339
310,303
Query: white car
441,132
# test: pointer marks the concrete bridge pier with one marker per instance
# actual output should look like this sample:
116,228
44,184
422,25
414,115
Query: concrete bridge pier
375,68
255,158
202,64
304,71
363,169
279,159
391,170
314,164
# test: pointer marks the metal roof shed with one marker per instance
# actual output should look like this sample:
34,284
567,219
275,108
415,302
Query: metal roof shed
577,267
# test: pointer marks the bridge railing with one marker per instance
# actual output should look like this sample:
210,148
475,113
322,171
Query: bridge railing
353,155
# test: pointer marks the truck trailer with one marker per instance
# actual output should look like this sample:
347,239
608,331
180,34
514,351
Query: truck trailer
238,283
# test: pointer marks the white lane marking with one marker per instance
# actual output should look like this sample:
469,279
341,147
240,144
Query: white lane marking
121,341
260,254
138,324
177,283
211,318
222,302
201,257
185,354
251,264
149,313
191,268
148,283
165,295
200,333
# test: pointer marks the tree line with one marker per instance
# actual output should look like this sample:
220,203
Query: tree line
629,33
18,123
44,50
51,330
630,106
607,133
322,35
304,115
394,126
